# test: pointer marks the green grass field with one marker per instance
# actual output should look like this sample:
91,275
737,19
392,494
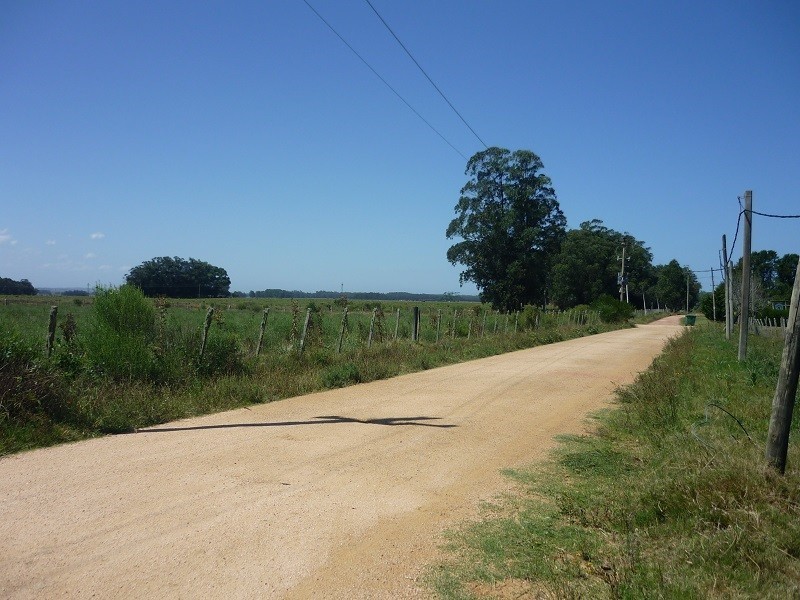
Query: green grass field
669,497
121,361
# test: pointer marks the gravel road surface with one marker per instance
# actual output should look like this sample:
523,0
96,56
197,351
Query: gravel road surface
339,494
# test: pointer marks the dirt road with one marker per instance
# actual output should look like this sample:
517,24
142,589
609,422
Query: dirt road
340,494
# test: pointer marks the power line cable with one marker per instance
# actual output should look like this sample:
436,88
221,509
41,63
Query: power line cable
775,216
386,83
736,235
428,77
755,212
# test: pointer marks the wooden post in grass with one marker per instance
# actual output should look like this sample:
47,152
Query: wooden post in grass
713,296
783,402
744,317
51,329
397,325
261,331
372,327
483,326
206,327
415,325
305,329
516,321
342,330
728,295
438,324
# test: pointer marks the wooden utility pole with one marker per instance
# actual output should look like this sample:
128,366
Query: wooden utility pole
728,300
687,293
713,296
622,283
785,391
744,316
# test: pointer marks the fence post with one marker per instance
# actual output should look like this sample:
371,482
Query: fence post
397,325
341,331
438,324
261,331
516,321
483,326
305,330
783,401
371,327
206,327
415,325
51,329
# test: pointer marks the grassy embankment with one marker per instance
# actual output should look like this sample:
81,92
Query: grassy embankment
669,497
122,362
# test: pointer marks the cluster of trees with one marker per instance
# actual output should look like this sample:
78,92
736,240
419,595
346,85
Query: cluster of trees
178,278
773,274
23,287
771,281
517,250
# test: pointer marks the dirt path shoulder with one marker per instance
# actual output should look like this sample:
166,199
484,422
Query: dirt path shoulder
340,494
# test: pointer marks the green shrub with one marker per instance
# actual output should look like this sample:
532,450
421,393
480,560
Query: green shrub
529,316
612,310
770,313
119,341
27,385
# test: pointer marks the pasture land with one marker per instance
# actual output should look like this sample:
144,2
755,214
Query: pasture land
121,362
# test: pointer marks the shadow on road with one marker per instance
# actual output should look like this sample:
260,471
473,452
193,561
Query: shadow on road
324,420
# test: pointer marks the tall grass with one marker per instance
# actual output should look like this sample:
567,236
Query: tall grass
668,498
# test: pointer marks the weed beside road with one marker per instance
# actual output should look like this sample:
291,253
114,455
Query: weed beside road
668,497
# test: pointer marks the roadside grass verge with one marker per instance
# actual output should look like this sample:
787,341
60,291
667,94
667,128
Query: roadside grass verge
668,497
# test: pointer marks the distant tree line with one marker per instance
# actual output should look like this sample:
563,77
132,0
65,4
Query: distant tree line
388,296
514,245
23,287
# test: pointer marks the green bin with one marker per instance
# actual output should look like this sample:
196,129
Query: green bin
690,319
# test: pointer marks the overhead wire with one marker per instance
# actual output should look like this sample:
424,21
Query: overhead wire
386,83
428,77
754,212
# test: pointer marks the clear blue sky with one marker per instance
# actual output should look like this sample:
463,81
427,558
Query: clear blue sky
247,135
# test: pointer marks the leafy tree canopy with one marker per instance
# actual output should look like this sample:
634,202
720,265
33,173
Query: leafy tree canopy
510,225
23,287
588,265
774,274
671,282
179,278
